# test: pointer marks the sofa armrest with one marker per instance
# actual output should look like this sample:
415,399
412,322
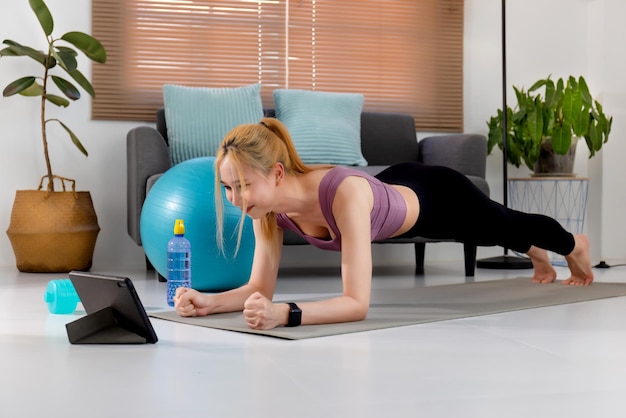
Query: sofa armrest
146,155
466,153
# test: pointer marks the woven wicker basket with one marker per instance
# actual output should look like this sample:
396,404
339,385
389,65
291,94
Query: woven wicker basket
53,232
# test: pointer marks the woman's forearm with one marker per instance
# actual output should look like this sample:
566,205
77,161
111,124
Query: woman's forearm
329,311
231,300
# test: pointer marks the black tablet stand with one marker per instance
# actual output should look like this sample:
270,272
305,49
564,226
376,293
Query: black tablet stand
102,327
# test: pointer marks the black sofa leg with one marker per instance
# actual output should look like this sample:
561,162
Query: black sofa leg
420,249
470,259
149,265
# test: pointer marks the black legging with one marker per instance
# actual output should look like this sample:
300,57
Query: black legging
452,207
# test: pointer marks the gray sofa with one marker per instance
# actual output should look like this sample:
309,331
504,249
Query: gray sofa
386,138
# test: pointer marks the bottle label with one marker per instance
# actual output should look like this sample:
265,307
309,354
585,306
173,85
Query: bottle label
178,261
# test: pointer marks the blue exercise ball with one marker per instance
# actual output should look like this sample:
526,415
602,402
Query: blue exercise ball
186,191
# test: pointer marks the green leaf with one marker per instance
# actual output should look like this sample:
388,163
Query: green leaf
43,15
16,50
599,107
602,123
92,48
65,59
495,133
513,151
560,86
9,52
595,140
75,139
57,100
83,82
18,86
581,124
589,145
532,155
539,84
535,123
562,139
34,90
584,90
572,108
67,50
549,117
66,88
551,95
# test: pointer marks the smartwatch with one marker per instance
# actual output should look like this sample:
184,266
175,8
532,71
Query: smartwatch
295,315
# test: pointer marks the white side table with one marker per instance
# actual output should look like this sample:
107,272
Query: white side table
562,198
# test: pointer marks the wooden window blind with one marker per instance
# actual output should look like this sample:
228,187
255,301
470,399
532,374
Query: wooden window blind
403,55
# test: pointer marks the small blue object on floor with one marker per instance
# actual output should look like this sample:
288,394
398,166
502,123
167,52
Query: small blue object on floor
186,191
61,297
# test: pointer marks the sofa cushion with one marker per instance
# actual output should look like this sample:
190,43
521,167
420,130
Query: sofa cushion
198,118
325,127
388,138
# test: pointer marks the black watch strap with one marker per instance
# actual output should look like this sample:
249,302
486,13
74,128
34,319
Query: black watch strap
295,315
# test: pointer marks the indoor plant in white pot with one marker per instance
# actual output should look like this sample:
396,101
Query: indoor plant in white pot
543,127
50,230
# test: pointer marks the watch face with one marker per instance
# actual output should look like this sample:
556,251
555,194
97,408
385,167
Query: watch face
295,315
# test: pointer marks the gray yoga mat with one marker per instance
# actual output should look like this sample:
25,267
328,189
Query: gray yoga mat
400,307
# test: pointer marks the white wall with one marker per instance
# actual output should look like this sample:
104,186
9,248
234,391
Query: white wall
558,37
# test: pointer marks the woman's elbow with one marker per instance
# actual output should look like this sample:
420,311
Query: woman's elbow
354,308
360,311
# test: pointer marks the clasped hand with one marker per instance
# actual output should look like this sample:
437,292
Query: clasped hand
258,311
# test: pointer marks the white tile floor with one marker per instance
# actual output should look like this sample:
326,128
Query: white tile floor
564,361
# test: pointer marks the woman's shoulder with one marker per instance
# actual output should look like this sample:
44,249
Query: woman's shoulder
341,172
348,179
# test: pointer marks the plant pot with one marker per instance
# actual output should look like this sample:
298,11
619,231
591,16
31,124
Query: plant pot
551,163
53,232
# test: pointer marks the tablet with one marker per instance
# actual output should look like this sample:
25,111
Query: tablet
115,315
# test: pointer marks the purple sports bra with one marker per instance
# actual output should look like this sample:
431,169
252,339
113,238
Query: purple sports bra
387,214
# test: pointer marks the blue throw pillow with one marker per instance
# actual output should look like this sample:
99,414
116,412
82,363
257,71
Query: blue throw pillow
198,118
325,127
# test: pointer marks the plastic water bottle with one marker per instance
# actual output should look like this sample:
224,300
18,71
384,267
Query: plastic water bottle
61,297
178,261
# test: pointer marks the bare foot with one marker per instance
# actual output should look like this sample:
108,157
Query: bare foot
544,272
579,263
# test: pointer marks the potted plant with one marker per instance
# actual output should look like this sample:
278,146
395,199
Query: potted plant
543,129
53,231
